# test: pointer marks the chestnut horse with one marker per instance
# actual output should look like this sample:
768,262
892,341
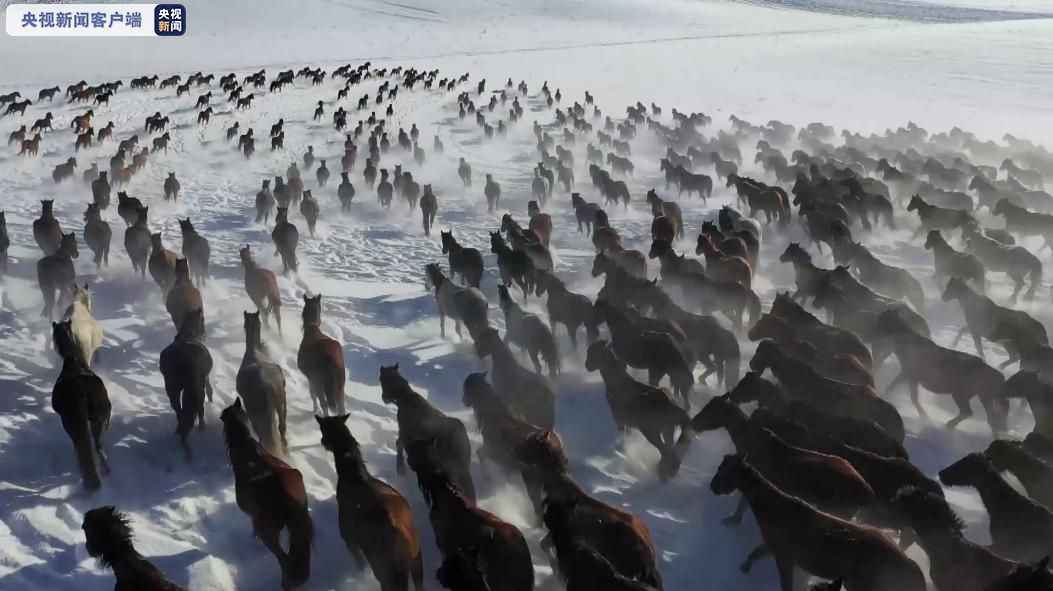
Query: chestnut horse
262,285
375,520
799,535
272,494
321,359
571,516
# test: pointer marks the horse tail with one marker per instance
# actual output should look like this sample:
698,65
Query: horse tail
754,305
274,306
79,429
550,351
417,571
1036,274
460,451
732,367
193,395
301,534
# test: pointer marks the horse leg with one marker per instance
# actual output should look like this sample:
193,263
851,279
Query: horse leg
281,409
572,332
79,434
534,358
98,427
902,377
914,398
964,411
270,535
654,375
979,346
400,457
961,333
756,554
740,510
1019,281
906,538
786,573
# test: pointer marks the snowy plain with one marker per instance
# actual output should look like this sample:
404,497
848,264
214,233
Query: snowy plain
980,65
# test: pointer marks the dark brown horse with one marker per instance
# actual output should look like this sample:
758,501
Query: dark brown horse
272,494
528,394
97,235
808,275
185,365
799,535
566,307
530,333
1033,576
162,263
944,371
787,318
803,382
56,275
446,438
496,550
634,404
196,250
137,241
1021,529
955,562
1039,395
660,353
285,237
261,385
183,297
571,516
321,359
108,538
464,261
503,432
827,481
822,425
80,399
1032,471
376,522
46,229
262,286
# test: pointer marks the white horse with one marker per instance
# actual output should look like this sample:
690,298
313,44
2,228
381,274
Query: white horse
86,330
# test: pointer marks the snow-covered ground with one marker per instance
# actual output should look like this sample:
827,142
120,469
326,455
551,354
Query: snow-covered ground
760,62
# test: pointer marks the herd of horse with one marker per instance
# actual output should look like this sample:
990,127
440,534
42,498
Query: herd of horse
821,462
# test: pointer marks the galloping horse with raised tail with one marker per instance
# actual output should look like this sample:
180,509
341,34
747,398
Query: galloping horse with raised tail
419,421
186,365
272,494
376,522
81,401
262,285
321,359
261,385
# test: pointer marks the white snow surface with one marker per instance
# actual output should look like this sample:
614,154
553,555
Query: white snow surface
980,65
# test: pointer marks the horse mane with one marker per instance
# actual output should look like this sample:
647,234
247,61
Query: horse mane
107,534
236,429
927,508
